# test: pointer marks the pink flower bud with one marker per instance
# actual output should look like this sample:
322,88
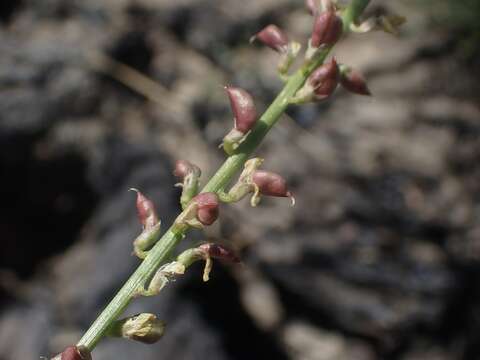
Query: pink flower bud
219,252
311,6
243,107
207,207
185,167
147,215
327,29
324,79
74,353
273,37
353,81
270,184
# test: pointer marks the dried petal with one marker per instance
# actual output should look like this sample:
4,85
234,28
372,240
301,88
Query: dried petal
207,207
219,252
147,215
243,108
327,29
353,81
273,37
324,79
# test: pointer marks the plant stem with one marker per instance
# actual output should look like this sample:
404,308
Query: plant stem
162,249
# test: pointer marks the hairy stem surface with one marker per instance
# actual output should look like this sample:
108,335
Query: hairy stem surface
162,249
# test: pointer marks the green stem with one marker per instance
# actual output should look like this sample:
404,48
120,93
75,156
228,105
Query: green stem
162,249
352,13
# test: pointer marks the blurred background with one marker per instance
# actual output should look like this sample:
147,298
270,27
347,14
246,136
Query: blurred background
378,260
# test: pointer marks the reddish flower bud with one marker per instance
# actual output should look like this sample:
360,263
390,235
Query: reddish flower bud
185,167
270,184
207,207
219,252
327,29
353,81
273,37
324,79
243,108
147,215
74,353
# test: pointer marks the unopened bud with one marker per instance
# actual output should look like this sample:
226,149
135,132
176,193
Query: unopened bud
271,184
353,81
207,207
74,353
145,328
327,29
185,167
220,252
147,214
273,37
243,108
324,79
245,116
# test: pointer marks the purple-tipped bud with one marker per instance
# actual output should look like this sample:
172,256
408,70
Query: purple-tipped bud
207,207
243,108
74,353
147,215
353,81
273,37
270,184
219,252
327,29
185,167
324,79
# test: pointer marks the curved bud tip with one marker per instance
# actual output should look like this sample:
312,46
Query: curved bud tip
324,79
219,252
243,108
273,37
354,81
147,215
207,207
327,29
185,167
270,184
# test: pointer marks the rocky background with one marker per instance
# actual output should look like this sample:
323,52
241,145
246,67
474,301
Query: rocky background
378,260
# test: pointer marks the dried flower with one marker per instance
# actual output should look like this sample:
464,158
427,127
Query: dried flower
353,81
145,328
207,207
147,214
327,29
273,37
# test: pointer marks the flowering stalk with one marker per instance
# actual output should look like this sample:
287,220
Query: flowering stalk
161,251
